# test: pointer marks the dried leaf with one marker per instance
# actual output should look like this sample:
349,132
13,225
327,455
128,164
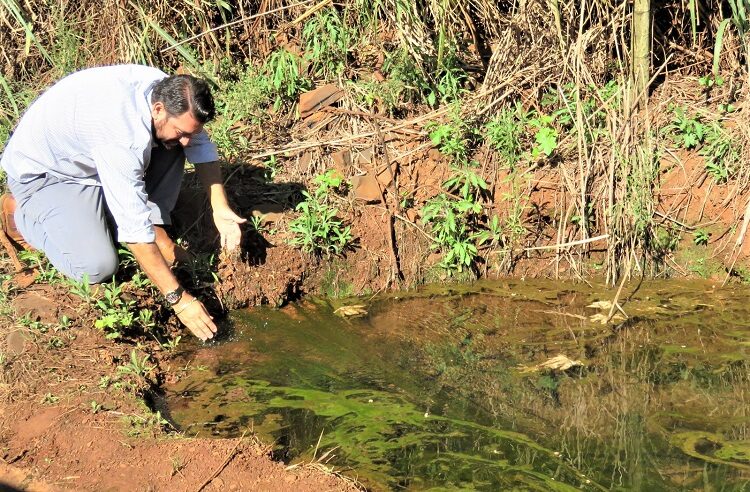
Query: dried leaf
557,363
351,311
601,305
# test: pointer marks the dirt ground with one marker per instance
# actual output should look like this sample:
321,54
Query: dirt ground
70,420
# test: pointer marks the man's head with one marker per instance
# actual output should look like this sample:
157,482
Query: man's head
180,106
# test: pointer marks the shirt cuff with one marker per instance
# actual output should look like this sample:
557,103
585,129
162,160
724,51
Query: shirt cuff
144,235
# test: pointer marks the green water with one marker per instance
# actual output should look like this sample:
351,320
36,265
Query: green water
437,389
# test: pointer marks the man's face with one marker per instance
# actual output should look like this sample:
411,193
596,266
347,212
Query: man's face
173,130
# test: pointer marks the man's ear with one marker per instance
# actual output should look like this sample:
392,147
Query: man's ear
158,111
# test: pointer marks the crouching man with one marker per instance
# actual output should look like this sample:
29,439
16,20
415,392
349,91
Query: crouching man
108,145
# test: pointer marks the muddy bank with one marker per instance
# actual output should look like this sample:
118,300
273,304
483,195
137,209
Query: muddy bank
73,417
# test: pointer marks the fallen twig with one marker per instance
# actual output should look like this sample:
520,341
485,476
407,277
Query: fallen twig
566,245
231,456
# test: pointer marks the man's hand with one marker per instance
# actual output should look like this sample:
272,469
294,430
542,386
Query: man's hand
228,225
192,313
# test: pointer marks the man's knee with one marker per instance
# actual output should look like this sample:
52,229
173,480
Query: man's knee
98,267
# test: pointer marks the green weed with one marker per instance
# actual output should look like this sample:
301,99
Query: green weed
256,222
95,407
28,322
240,103
504,135
326,39
405,79
449,80
150,424
285,80
172,344
317,230
545,135
701,237
271,168
49,399
117,314
686,131
46,272
720,156
137,366
146,319
452,222
81,288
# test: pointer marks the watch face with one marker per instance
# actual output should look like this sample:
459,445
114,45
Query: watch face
174,296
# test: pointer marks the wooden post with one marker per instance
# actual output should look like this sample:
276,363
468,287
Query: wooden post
641,50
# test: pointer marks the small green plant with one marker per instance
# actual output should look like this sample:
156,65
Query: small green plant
141,281
256,221
686,131
449,81
172,344
285,79
37,259
405,80
317,230
707,82
719,154
136,366
146,319
150,424
32,324
664,241
271,168
448,224
55,343
202,269
126,258
177,465
117,314
545,135
327,41
453,138
95,407
50,399
240,102
81,288
504,134
466,182
701,237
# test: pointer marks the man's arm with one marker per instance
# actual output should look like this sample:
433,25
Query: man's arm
227,222
191,312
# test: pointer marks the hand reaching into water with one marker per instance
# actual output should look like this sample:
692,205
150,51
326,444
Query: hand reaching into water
193,314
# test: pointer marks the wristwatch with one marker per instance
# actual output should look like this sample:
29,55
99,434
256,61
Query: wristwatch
174,296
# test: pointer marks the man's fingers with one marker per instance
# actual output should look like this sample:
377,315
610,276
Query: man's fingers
196,318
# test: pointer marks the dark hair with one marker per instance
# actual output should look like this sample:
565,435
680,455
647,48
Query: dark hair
183,93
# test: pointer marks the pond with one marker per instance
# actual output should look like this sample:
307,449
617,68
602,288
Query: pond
493,386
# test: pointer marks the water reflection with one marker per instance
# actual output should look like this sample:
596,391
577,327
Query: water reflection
438,389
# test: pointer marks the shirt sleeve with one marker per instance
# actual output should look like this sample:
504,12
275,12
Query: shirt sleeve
201,149
120,171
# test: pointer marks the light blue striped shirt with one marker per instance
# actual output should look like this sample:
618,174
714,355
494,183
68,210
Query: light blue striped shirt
94,127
